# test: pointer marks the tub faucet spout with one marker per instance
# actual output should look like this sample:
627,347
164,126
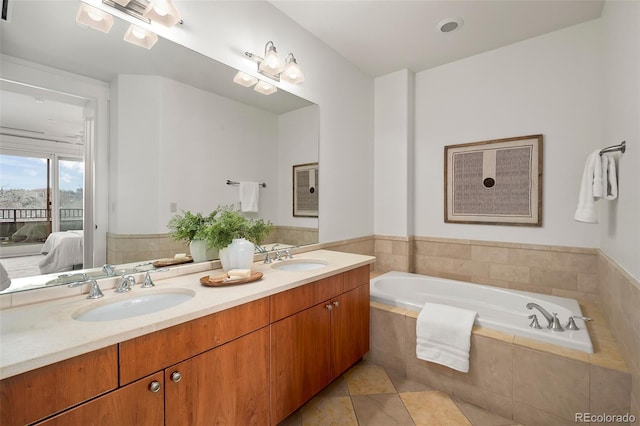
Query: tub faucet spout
543,311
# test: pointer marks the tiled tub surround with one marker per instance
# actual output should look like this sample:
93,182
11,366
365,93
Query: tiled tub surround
530,382
560,271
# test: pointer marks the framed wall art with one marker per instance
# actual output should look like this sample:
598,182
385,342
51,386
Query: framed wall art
305,190
496,182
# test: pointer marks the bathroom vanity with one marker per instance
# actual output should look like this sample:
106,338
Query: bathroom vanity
247,354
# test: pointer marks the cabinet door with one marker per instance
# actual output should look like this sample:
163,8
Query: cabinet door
139,403
40,393
300,359
349,328
227,385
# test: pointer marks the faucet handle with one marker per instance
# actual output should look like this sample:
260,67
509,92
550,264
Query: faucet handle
571,324
555,323
287,254
148,282
267,258
94,290
534,322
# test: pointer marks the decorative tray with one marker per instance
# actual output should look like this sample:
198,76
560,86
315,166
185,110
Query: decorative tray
222,281
169,261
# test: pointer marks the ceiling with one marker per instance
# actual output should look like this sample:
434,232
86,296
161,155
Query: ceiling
383,36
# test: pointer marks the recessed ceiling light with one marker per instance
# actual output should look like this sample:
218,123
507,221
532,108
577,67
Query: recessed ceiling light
449,25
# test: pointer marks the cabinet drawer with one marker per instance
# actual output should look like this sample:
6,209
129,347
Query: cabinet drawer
134,404
357,277
153,352
297,299
36,394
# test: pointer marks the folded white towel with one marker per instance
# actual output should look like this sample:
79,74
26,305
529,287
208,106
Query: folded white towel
609,178
444,335
248,193
592,173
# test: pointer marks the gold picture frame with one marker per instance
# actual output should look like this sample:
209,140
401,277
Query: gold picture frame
494,182
305,190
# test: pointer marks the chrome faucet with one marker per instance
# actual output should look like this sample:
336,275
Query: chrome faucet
125,284
148,282
109,270
94,289
554,322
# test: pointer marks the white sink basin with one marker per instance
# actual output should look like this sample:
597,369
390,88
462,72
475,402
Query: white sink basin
133,305
299,265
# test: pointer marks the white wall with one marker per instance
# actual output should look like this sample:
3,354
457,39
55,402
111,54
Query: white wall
393,141
620,229
225,30
549,84
177,143
298,139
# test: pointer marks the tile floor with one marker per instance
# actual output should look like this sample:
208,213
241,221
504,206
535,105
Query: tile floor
368,395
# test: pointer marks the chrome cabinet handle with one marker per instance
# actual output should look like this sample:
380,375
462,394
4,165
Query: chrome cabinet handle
336,303
154,386
176,376
329,307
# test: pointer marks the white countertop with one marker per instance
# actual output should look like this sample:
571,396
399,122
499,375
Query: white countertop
36,335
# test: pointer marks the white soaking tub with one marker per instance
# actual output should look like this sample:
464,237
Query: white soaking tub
499,309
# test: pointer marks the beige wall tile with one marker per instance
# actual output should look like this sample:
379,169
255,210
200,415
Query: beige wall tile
476,395
524,257
490,367
383,246
429,265
588,283
554,279
400,248
574,262
509,273
490,254
610,391
451,250
535,373
471,267
434,375
387,339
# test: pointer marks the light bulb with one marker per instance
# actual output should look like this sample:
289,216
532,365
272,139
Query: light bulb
95,16
160,8
138,33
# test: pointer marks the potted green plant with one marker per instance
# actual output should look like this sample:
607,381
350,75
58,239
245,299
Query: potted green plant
235,236
191,227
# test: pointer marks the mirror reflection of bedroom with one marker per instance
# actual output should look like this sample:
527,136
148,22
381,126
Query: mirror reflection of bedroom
41,183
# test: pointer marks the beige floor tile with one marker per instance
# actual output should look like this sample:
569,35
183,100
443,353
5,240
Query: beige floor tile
433,408
405,384
335,411
367,379
381,410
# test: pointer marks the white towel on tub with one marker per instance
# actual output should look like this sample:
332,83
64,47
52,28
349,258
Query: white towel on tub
444,335
248,193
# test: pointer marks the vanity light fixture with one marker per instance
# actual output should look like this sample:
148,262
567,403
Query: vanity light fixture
273,67
292,72
95,18
140,37
162,12
244,79
265,88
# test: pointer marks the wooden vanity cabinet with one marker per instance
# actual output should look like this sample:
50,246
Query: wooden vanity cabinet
36,394
313,346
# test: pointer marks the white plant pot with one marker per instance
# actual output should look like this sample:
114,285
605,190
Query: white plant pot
237,255
200,252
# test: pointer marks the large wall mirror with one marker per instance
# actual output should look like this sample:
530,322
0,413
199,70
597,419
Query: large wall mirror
178,130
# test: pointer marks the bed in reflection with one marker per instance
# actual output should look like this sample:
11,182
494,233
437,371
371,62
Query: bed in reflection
62,252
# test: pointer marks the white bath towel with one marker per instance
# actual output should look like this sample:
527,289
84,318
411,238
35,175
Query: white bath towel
609,178
248,193
590,188
444,335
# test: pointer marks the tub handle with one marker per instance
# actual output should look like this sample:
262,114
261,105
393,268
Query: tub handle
534,321
571,324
